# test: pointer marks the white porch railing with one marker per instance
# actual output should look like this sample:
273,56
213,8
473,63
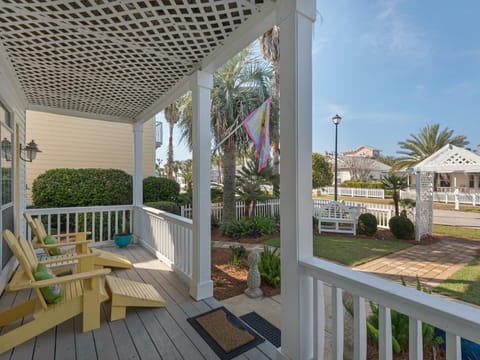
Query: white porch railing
168,236
353,192
446,197
458,320
101,221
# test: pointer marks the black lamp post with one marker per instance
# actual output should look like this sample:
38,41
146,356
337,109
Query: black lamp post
336,120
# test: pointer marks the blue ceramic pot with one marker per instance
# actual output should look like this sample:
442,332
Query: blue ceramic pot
122,240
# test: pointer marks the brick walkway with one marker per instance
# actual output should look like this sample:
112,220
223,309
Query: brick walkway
431,263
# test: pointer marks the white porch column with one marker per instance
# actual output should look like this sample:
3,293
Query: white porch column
202,285
475,182
138,164
295,18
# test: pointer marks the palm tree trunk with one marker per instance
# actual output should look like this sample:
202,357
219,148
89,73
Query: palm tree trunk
395,198
229,210
170,152
254,207
246,210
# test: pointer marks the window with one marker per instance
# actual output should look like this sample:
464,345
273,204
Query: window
444,180
6,165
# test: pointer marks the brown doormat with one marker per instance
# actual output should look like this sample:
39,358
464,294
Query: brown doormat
227,335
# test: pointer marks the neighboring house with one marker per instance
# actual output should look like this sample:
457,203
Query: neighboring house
455,168
363,151
358,168
71,142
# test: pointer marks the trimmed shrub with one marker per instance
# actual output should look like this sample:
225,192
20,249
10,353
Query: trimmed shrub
82,187
362,184
160,189
401,227
168,206
234,229
252,227
367,224
258,226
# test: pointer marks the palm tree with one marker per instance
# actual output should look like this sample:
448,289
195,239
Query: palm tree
269,44
250,184
424,144
239,87
395,183
172,114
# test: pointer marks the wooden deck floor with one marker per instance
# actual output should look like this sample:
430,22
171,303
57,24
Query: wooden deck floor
162,333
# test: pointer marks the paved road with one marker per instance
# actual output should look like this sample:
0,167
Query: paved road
456,218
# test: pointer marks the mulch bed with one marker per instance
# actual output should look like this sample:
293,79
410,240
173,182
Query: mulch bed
229,280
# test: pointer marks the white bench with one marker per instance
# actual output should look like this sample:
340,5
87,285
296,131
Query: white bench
336,217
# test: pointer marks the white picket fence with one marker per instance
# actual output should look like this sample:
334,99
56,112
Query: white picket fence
352,192
383,212
446,197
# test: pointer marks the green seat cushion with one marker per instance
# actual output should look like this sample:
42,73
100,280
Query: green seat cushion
52,294
54,251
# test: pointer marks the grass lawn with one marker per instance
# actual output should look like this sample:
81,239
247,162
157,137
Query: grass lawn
458,231
350,251
464,284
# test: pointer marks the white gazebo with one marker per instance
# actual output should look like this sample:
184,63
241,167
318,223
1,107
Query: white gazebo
458,164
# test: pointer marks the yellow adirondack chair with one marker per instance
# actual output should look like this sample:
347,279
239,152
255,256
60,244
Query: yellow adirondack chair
80,243
83,294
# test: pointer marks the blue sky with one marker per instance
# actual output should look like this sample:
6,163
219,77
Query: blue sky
388,68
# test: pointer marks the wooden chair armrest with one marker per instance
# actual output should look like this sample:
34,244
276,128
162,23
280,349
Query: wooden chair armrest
73,234
60,244
58,280
62,259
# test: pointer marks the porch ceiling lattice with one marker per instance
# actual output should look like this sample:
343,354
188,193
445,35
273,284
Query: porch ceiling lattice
109,57
450,158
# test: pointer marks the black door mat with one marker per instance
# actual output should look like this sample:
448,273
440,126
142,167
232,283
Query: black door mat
270,332
226,335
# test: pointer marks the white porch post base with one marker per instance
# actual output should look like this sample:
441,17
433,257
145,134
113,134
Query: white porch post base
201,290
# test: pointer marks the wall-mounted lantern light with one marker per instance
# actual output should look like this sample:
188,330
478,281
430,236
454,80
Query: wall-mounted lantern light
30,151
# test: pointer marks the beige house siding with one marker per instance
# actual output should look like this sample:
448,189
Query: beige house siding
70,142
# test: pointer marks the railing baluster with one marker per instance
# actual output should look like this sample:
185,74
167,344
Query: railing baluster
109,224
93,224
76,222
100,229
319,320
338,318
123,221
453,346
385,333
359,328
415,345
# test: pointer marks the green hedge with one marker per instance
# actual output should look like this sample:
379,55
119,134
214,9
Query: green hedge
168,206
82,187
160,189
362,184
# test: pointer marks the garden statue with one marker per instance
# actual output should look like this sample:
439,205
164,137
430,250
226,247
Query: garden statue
253,279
